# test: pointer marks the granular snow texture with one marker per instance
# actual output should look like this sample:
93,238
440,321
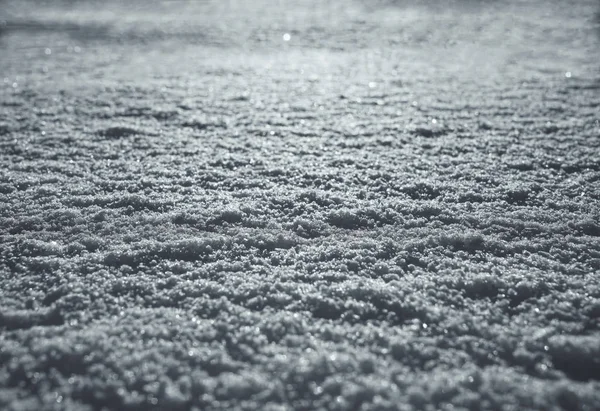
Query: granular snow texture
273,205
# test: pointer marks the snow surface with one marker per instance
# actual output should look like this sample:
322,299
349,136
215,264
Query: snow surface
343,205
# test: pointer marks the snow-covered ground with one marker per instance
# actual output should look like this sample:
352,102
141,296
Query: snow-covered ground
277,205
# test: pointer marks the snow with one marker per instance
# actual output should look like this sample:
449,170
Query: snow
386,205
